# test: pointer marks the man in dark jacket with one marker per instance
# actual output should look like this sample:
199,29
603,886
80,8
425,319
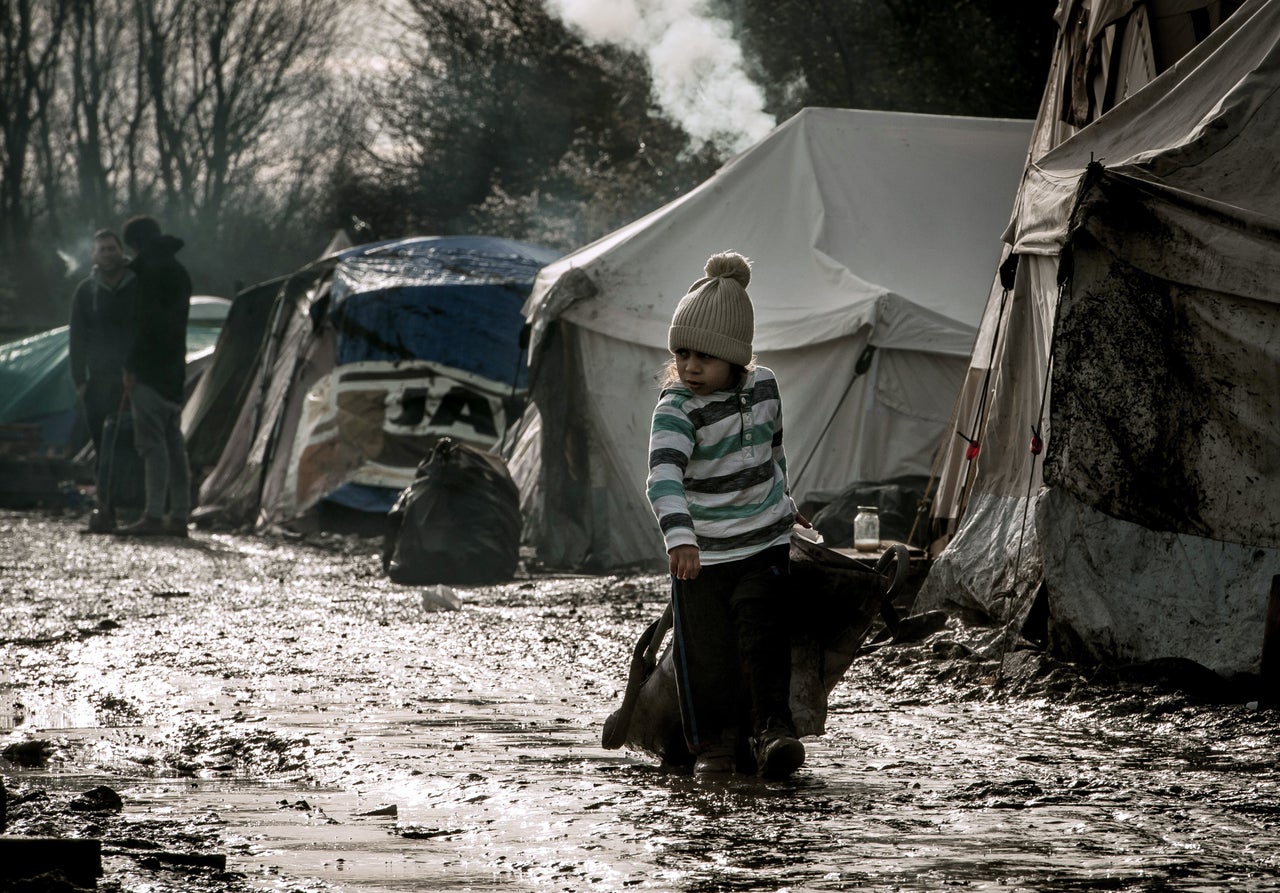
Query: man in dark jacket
101,331
155,372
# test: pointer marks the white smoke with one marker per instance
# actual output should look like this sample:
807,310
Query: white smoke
697,67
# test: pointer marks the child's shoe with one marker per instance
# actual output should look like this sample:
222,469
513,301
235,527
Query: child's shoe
144,526
715,760
777,750
102,520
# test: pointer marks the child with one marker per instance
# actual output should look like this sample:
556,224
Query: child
718,485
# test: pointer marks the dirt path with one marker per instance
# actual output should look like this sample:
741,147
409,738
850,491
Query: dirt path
284,705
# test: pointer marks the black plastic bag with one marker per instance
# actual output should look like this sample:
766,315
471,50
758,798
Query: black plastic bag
458,522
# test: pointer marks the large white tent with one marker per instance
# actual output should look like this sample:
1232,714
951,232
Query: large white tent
1140,339
867,229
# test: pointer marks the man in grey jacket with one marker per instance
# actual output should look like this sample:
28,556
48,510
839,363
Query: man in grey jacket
101,333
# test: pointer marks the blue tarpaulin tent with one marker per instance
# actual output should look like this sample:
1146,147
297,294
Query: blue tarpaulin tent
35,375
366,358
36,388
456,301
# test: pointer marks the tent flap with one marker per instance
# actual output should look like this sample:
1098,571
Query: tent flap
1166,402
1182,237
1123,593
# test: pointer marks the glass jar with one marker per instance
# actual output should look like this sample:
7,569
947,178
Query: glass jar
866,529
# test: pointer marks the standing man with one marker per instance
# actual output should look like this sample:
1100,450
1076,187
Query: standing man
101,332
154,375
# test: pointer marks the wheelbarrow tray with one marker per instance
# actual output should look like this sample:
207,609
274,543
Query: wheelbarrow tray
832,604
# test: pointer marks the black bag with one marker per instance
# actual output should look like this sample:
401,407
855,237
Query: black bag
121,481
458,522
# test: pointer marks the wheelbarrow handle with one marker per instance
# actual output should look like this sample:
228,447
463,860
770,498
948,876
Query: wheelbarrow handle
900,559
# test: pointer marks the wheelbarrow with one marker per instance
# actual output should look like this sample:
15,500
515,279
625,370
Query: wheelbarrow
834,602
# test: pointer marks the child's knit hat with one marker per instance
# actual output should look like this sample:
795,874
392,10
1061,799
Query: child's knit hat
715,317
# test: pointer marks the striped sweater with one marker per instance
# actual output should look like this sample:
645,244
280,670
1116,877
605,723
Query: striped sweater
717,471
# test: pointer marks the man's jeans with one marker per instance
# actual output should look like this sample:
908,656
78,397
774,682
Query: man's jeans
157,434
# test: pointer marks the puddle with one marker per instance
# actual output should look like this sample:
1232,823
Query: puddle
290,691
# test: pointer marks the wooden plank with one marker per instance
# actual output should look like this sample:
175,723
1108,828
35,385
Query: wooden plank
78,859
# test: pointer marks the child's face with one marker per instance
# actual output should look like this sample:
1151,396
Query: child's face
703,373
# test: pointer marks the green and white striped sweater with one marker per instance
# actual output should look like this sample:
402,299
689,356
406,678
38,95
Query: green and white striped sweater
717,470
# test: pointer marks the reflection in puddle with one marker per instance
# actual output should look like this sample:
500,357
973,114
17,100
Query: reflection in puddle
293,691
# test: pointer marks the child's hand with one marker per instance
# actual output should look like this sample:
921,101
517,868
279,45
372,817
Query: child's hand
686,561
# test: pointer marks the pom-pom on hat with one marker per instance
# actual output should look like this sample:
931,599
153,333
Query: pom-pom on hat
715,317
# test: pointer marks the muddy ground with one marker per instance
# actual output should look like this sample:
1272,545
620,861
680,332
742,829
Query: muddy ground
282,705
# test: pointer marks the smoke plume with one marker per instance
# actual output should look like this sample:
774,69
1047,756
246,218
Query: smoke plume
697,66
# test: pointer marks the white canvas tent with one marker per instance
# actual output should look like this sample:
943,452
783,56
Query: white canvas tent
1153,373
866,228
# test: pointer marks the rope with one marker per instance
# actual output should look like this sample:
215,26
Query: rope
1007,273
861,366
1066,269
1037,447
941,451
979,416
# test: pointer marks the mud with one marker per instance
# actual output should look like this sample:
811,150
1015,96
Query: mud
283,705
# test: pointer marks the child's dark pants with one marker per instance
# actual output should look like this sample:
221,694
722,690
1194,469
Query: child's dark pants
732,647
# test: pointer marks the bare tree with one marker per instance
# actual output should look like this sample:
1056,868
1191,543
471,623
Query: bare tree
209,113
103,118
30,42
223,78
